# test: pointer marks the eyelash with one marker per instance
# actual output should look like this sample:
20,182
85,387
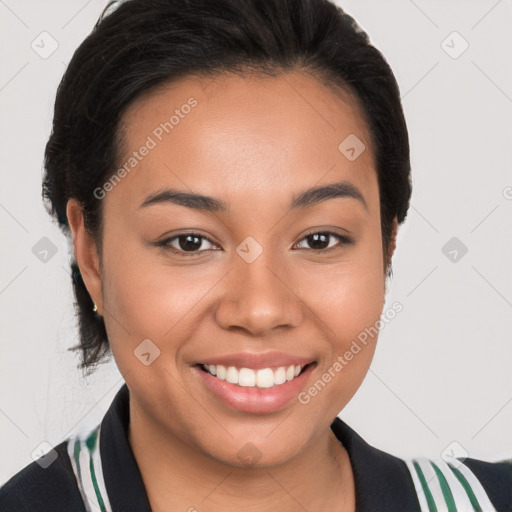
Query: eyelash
343,240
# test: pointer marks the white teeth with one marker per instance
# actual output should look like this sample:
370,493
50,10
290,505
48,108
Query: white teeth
232,375
221,371
280,376
265,378
246,377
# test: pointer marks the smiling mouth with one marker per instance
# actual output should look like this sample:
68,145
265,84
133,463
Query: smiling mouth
261,378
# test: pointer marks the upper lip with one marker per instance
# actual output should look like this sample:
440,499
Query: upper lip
258,361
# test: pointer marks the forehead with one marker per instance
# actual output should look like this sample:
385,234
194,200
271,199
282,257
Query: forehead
233,134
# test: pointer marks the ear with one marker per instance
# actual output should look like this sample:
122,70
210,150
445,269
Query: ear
86,253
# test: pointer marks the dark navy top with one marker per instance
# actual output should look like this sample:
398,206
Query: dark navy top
97,471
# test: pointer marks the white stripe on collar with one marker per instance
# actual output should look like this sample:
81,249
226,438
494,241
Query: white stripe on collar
446,486
84,454
438,487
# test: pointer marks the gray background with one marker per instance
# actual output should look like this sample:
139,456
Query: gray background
440,380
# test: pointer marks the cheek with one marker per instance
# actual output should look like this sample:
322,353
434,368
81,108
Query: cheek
352,300
348,296
145,298
348,301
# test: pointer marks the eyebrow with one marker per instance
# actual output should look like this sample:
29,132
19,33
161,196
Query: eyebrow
305,199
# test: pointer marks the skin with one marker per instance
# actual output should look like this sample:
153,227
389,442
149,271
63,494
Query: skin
254,143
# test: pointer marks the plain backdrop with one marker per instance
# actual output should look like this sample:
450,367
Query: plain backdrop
441,376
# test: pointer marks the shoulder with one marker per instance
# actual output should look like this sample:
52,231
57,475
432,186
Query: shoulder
461,484
385,482
46,484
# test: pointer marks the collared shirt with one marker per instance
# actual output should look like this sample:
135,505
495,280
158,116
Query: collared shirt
97,471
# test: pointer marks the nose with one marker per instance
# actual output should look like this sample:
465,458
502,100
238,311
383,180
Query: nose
258,298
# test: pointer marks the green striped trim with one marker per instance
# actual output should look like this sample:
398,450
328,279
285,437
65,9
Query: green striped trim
76,453
91,443
445,488
426,490
467,488
447,485
84,454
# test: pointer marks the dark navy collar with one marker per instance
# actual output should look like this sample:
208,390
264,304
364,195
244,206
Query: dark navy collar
123,480
382,481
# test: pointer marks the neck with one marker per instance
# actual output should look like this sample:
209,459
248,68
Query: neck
179,477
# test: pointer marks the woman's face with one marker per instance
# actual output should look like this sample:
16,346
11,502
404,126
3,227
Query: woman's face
253,279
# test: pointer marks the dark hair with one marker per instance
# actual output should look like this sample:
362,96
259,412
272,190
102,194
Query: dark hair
141,44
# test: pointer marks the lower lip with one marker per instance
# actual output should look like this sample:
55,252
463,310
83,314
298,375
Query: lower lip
253,399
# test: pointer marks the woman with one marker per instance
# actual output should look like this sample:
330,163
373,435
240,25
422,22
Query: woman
232,175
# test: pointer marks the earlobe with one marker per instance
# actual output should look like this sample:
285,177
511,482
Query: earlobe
85,252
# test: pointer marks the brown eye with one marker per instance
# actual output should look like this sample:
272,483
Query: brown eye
322,240
190,243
